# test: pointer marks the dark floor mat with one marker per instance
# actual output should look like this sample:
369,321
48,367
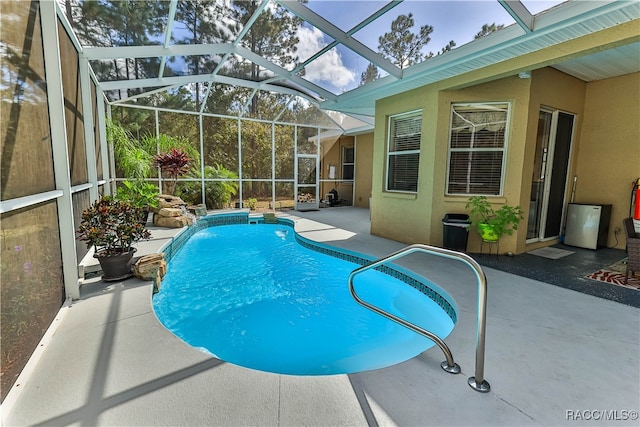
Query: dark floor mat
568,272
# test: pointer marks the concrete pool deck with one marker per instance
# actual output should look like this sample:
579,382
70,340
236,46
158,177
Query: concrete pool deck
553,357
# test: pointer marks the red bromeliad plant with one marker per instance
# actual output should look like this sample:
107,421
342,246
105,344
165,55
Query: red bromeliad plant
173,163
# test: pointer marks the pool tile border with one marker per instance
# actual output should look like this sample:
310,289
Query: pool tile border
394,271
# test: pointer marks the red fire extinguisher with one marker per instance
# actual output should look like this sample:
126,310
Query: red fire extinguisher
636,192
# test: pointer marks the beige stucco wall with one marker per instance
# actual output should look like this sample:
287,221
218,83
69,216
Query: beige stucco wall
364,161
331,155
417,218
515,91
605,153
605,138
608,156
403,216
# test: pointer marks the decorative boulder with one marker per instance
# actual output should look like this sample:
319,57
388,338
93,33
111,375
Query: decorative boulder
171,221
169,201
150,267
198,210
171,212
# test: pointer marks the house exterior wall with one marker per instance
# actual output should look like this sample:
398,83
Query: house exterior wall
603,112
417,218
608,156
404,216
364,161
514,91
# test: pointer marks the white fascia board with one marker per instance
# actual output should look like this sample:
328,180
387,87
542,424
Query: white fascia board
340,36
359,131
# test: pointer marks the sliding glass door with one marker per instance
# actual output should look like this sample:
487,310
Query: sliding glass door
550,173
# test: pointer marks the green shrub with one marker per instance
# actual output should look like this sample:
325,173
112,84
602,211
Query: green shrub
218,194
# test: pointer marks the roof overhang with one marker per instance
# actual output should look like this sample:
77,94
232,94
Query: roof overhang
568,37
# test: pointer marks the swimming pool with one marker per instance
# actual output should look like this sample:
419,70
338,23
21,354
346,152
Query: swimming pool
259,296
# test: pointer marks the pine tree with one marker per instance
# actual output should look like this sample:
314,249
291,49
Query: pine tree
369,75
400,45
488,29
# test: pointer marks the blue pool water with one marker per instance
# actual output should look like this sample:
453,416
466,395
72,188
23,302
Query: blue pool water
252,296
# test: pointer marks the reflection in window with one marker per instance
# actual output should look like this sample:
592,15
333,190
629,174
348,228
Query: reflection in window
348,163
403,155
477,146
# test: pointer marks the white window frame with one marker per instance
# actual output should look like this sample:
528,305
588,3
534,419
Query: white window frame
390,154
504,149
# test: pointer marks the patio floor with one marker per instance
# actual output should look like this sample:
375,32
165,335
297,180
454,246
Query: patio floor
554,356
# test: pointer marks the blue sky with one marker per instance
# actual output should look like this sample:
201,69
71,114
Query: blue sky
340,69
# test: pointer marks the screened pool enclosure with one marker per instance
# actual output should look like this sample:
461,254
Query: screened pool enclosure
274,100
253,87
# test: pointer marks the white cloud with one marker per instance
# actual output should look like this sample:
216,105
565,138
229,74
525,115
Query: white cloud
329,67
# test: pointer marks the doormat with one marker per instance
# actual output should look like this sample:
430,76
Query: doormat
614,274
551,253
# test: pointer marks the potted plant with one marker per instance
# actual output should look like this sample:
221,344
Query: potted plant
112,226
140,194
493,224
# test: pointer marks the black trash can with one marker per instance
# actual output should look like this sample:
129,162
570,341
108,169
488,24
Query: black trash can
455,231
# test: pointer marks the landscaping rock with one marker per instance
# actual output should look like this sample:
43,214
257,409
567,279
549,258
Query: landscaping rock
169,201
171,221
150,267
170,212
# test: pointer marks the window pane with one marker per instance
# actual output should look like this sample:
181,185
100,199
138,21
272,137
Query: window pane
347,172
403,172
348,155
475,172
481,139
405,133
404,136
476,148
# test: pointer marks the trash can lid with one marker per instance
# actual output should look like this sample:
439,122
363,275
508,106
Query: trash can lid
456,218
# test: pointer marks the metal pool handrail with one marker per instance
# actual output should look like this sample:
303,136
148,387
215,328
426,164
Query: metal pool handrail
476,382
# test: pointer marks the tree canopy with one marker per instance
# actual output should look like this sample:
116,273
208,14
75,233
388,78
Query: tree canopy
401,45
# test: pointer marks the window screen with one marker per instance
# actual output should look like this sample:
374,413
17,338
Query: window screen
403,155
477,145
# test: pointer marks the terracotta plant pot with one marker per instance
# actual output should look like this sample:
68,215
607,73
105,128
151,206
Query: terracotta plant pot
117,266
